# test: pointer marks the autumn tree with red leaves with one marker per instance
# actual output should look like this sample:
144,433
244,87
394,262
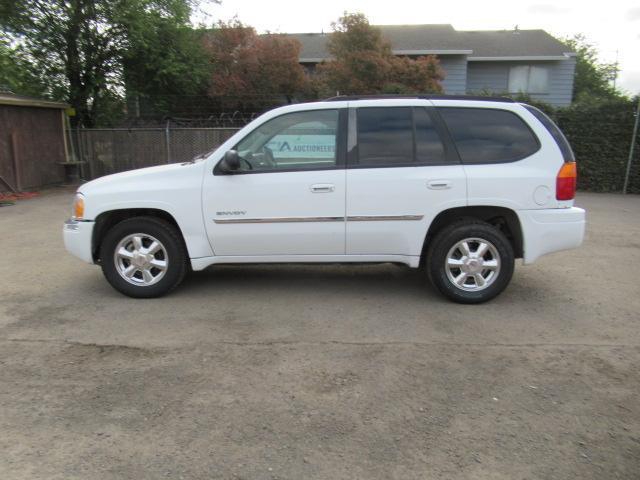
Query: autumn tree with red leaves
363,63
252,69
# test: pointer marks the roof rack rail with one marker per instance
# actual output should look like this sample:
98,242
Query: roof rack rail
345,98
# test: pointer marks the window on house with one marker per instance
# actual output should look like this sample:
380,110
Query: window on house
528,79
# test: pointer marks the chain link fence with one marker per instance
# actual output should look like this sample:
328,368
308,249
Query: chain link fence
106,151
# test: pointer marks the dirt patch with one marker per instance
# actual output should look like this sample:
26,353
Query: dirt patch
341,372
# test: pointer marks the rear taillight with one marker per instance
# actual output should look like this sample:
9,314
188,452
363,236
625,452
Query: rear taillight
566,181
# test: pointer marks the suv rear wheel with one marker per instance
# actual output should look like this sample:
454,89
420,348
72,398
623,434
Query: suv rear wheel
470,261
143,257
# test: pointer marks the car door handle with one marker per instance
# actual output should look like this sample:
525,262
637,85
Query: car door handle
322,188
439,184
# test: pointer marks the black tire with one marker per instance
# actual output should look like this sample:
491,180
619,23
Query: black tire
445,240
170,239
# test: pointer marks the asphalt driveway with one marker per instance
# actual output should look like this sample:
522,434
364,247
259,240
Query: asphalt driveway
319,372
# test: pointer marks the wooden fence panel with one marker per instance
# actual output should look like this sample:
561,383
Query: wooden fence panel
108,151
31,139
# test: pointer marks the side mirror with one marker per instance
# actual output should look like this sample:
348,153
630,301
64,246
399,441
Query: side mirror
230,162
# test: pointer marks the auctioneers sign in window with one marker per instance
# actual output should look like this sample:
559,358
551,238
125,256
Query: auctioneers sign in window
304,141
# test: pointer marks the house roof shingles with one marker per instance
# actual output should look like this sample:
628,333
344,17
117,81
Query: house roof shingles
444,39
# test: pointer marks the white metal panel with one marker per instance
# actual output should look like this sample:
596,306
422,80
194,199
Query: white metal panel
398,191
174,189
284,215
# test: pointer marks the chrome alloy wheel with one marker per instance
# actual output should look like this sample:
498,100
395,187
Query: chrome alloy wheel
472,264
141,259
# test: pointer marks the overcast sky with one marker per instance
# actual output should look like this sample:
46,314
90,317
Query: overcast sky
612,25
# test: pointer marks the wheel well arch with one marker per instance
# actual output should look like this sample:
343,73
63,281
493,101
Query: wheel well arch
505,219
106,220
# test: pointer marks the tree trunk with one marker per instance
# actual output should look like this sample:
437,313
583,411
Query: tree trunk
78,91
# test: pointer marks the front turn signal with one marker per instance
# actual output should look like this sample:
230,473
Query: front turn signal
566,181
78,207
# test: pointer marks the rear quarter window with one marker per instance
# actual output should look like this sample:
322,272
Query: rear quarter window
556,133
484,135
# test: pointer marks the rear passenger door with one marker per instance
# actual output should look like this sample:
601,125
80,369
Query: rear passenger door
401,172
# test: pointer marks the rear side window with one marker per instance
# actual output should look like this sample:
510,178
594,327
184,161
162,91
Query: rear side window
556,133
397,136
429,147
484,135
385,136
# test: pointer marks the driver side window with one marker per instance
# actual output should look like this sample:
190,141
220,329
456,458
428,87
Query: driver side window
293,141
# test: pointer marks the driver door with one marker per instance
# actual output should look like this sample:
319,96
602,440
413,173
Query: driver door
288,197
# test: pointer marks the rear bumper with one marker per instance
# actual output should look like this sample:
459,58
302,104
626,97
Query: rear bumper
551,230
77,239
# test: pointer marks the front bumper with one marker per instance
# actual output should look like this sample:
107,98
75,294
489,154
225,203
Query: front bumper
77,238
551,230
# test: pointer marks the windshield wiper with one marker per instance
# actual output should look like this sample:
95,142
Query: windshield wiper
200,156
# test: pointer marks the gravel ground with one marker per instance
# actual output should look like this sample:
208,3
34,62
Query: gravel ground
319,372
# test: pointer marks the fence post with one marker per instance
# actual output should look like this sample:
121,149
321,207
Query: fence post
13,137
631,149
76,150
167,141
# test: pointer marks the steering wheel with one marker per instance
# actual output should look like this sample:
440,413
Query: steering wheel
268,157
248,163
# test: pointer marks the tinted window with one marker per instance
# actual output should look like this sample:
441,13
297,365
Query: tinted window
555,132
485,135
429,148
385,136
294,141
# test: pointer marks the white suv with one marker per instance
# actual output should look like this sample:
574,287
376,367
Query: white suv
462,186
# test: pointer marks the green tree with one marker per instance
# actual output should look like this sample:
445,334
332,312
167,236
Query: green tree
593,78
78,45
16,72
165,67
363,63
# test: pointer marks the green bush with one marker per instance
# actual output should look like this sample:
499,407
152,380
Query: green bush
600,135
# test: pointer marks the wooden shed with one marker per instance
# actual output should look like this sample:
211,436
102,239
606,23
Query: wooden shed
32,142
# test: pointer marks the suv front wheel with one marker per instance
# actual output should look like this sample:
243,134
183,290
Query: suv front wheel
470,261
143,257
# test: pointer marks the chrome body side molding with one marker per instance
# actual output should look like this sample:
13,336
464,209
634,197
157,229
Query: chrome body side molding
279,220
383,218
354,218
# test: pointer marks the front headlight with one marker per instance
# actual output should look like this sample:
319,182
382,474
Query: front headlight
77,212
